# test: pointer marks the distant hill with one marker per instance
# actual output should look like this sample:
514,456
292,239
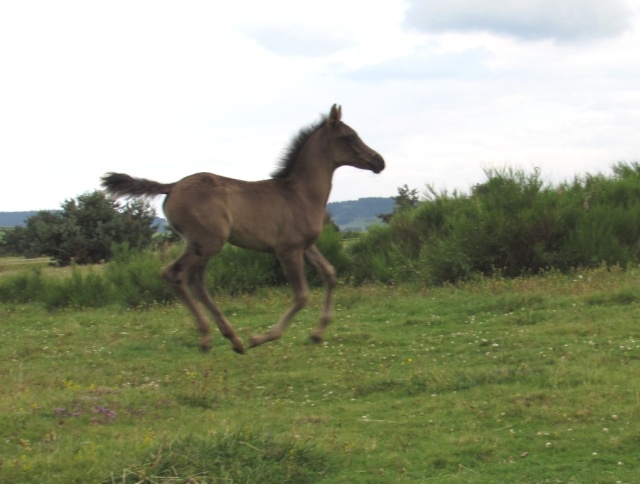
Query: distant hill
351,215
11,219
359,214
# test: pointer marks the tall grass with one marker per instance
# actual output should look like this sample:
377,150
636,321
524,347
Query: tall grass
236,456
132,279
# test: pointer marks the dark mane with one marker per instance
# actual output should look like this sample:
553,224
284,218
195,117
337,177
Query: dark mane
288,160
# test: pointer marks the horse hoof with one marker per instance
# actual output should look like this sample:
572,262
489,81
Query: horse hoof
255,341
239,350
237,345
205,348
315,338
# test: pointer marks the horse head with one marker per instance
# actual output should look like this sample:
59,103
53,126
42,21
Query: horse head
347,147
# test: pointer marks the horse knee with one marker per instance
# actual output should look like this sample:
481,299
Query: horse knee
300,300
172,275
331,277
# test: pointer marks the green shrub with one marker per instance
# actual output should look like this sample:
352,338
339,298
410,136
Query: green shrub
371,256
22,288
135,276
512,224
331,244
235,271
78,291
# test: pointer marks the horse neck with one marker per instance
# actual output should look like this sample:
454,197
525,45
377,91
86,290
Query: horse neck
314,171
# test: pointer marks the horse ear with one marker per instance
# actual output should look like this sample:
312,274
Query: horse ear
336,114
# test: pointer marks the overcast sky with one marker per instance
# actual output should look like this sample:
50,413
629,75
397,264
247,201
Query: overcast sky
443,90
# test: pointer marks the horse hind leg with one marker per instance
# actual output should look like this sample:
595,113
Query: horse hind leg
199,287
186,276
177,276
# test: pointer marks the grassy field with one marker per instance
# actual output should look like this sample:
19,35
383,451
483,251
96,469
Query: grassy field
525,380
11,266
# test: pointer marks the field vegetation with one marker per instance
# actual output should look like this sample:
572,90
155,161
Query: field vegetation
488,337
512,224
529,379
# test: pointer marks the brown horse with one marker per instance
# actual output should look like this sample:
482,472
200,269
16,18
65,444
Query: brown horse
282,215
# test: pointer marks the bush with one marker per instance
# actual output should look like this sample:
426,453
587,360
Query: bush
235,271
22,288
380,256
331,245
135,277
83,231
78,291
512,224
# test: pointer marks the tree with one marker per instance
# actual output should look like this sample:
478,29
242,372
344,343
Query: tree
328,220
85,229
14,241
407,198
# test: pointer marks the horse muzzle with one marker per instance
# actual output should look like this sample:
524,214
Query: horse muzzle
377,164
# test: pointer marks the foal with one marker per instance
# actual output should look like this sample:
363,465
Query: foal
282,215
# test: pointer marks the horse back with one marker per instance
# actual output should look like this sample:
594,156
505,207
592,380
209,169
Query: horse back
267,215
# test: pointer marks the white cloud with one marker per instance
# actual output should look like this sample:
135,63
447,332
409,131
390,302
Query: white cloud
163,89
299,41
562,20
467,64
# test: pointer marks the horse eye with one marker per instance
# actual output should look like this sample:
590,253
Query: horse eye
351,138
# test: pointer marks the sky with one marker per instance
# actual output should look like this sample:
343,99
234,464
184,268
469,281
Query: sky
444,91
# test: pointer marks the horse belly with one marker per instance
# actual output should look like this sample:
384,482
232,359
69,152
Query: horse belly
258,236
251,243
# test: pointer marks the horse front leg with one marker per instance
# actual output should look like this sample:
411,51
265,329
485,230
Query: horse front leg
293,265
328,273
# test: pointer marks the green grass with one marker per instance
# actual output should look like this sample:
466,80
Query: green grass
523,380
14,265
